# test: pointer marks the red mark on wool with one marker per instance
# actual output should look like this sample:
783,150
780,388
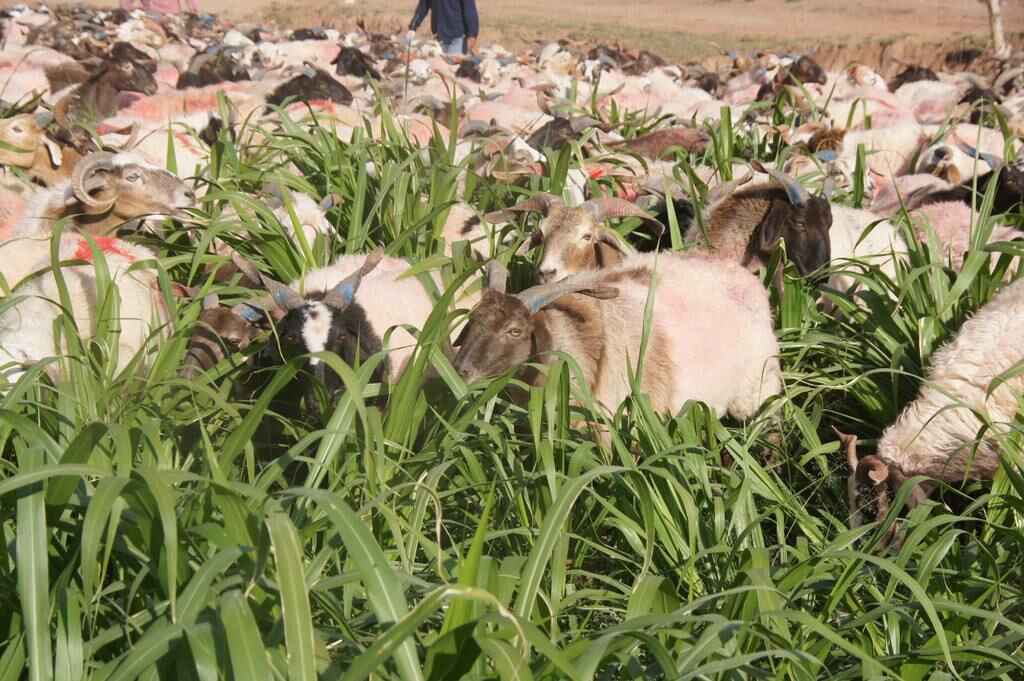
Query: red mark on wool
107,244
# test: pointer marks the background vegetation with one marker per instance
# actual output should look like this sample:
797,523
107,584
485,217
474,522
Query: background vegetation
155,528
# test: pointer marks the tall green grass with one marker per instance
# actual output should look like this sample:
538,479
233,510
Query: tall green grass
158,529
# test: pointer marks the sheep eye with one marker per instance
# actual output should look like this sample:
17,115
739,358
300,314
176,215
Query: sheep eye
515,332
17,129
587,237
133,177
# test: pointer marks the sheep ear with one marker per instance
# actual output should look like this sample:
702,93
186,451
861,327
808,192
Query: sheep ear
497,276
211,301
53,149
44,118
342,295
874,469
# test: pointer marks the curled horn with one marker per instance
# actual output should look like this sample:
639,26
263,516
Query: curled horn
84,181
796,193
536,297
497,276
992,160
727,188
342,295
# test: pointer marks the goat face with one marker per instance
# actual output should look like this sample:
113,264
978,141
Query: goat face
804,229
130,77
497,337
575,242
316,326
804,71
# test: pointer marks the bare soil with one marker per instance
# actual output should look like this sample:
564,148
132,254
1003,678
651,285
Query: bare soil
676,29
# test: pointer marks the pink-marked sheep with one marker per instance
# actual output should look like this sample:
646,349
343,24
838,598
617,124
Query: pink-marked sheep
940,434
27,327
683,360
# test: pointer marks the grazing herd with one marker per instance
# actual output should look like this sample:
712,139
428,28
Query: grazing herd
97,105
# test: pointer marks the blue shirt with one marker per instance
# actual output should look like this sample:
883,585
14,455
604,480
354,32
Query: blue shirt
449,19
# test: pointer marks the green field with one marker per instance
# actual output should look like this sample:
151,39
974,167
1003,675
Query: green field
156,528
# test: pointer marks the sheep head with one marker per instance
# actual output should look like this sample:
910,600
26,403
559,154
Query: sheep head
499,334
798,219
940,161
125,186
574,238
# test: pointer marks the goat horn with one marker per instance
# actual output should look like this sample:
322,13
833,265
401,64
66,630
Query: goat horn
342,295
536,297
727,188
796,192
611,207
539,203
83,181
497,276
284,297
992,161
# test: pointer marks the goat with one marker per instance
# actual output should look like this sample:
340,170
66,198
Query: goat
573,237
349,307
219,330
27,326
312,84
937,435
746,225
98,97
105,191
684,360
212,67
352,62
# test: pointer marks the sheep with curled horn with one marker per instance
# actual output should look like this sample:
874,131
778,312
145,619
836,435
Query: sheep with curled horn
597,318
27,145
105,192
574,237
745,225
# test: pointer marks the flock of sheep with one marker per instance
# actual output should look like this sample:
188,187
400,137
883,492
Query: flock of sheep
91,99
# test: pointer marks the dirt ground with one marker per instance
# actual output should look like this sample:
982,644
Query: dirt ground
677,29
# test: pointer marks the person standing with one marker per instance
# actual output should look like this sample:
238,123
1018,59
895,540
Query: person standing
454,22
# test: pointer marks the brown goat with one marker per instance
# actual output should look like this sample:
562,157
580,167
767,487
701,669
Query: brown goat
574,238
746,225
97,98
218,332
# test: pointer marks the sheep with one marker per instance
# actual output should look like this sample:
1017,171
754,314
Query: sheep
1009,191
27,326
219,330
105,191
573,237
662,144
951,159
850,239
30,147
937,435
684,360
744,226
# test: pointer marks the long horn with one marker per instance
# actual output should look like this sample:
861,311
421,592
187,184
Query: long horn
538,203
342,295
84,181
796,193
536,297
284,297
497,276
727,188
611,207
